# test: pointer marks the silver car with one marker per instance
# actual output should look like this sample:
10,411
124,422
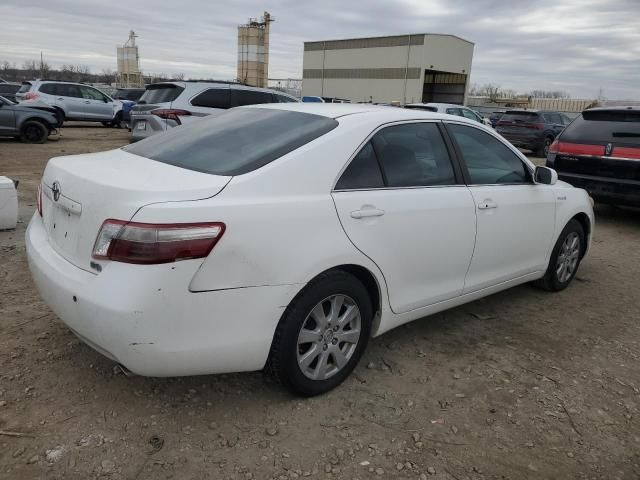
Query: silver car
74,101
170,104
451,109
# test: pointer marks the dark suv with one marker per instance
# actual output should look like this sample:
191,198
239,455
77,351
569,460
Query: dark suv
600,152
531,129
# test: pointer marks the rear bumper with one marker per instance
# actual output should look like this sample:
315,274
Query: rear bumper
604,189
146,319
144,126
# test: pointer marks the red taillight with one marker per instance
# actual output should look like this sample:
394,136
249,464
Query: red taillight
554,147
151,243
39,199
31,96
171,114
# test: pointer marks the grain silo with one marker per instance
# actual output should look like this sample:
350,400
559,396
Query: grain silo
253,51
129,74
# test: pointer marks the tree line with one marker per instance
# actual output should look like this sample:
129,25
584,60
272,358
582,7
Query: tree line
496,91
33,69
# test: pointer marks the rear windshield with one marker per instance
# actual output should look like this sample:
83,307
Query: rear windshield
605,126
25,87
422,107
132,95
519,117
160,93
235,142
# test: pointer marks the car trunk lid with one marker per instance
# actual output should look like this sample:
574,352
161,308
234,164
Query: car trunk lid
81,191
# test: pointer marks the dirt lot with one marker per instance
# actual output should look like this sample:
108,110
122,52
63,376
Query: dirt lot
524,384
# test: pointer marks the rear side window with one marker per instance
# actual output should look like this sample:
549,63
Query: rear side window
249,97
213,98
363,172
612,126
67,90
235,142
413,155
488,160
408,155
520,117
161,93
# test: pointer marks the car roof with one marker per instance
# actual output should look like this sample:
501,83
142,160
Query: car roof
633,108
386,113
185,83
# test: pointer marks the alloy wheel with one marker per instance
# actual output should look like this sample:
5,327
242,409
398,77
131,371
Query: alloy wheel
568,257
328,337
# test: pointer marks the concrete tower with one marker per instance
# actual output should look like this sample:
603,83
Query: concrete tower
253,51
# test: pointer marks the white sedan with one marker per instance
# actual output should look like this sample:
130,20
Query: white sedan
281,237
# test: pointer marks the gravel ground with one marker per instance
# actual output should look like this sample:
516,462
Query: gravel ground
523,384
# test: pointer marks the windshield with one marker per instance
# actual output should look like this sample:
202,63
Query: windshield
605,126
235,142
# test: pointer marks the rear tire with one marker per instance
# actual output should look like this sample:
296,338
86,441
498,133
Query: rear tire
34,131
565,258
117,121
321,335
543,151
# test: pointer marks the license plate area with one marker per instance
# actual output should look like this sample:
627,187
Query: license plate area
63,228
141,125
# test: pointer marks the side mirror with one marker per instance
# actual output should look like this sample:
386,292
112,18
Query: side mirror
545,176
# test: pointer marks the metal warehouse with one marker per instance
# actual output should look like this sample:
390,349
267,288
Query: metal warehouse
422,67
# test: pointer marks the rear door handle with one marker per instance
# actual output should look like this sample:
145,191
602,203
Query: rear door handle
367,212
87,101
487,204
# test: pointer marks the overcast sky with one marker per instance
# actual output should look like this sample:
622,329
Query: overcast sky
578,46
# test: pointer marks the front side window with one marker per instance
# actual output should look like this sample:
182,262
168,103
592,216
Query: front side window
407,155
488,160
213,98
91,93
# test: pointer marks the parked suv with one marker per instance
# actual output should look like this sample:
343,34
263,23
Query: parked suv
531,129
74,101
167,105
600,152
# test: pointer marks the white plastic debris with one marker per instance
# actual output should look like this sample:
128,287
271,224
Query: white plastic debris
8,204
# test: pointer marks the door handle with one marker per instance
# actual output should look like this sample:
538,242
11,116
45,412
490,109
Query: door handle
367,212
487,204
60,98
87,101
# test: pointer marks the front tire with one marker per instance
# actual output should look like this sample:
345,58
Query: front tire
565,258
34,132
322,334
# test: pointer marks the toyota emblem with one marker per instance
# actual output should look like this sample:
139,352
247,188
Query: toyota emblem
55,189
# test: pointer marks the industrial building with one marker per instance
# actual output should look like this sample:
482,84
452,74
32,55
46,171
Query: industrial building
129,73
253,51
399,69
